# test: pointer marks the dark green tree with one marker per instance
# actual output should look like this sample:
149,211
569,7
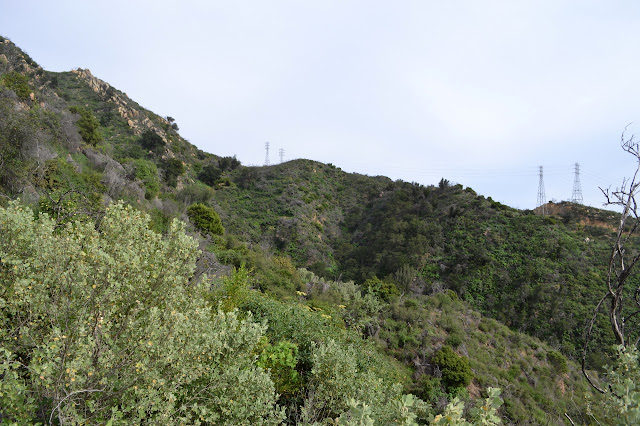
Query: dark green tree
172,169
172,123
88,125
151,140
210,174
228,163
205,219
455,369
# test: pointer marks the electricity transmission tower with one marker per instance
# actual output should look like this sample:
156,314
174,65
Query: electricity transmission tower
266,157
576,196
541,197
281,152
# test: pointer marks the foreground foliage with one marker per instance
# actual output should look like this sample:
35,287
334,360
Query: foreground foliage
104,325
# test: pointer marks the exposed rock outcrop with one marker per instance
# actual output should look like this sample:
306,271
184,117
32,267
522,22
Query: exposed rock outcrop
138,121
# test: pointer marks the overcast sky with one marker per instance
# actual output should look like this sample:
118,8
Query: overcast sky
478,92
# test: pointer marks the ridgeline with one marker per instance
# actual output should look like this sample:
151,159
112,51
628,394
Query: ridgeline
338,282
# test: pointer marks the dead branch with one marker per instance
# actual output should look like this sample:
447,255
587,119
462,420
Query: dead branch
621,263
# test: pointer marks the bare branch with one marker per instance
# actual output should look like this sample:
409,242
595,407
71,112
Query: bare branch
67,397
621,263
586,342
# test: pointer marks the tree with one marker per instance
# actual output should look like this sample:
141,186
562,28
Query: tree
455,369
205,219
623,319
106,326
622,394
228,163
88,125
172,122
151,141
172,169
210,174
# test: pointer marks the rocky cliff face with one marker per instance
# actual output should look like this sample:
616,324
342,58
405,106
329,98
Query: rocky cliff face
137,120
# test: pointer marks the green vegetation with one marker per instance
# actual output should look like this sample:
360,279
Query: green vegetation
344,299
280,361
173,168
88,125
622,405
210,174
205,219
19,83
151,141
147,172
228,163
455,369
104,326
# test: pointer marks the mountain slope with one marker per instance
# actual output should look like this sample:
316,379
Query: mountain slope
430,265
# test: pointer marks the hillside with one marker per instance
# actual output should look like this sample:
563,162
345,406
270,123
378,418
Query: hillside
394,273
536,274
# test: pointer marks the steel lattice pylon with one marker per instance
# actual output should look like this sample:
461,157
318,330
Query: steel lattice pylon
576,196
542,203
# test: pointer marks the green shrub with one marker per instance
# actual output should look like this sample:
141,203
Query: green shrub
455,369
19,83
210,174
172,169
558,361
231,291
280,361
384,290
88,125
454,339
147,172
105,327
151,141
197,193
160,221
338,376
205,219
228,163
485,414
621,405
